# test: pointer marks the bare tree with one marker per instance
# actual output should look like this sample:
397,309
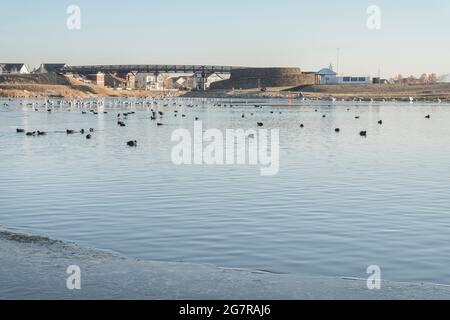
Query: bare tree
432,78
424,78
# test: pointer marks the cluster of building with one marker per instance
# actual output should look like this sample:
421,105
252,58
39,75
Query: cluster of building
13,68
164,81
243,78
22,68
130,80
329,76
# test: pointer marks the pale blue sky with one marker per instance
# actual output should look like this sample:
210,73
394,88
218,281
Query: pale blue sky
413,38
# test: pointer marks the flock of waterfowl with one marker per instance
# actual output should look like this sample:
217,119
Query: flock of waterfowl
152,105
94,107
373,100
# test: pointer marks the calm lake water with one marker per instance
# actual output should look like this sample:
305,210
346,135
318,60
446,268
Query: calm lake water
339,203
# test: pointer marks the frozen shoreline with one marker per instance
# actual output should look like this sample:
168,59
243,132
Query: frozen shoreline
33,267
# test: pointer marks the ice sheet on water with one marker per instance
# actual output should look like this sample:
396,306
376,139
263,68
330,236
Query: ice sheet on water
34,267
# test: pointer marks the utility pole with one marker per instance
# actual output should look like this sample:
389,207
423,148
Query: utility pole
379,77
338,58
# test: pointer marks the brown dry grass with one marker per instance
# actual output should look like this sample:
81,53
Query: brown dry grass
60,86
39,90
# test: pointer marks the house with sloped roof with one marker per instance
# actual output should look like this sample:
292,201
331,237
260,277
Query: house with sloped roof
205,83
13,68
150,81
185,82
50,67
327,76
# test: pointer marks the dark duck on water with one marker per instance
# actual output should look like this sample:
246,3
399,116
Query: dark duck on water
132,143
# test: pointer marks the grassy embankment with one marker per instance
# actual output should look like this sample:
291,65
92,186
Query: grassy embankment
348,92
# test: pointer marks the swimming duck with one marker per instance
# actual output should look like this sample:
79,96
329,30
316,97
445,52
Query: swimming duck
132,143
